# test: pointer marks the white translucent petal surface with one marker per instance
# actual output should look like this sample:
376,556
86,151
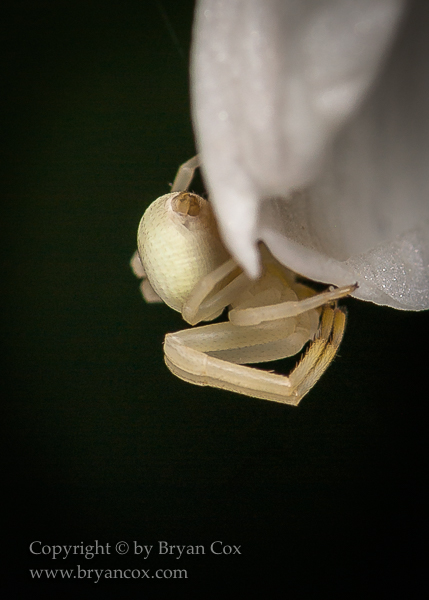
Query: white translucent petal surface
330,97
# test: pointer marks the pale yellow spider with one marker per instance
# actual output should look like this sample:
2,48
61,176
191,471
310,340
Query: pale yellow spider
183,263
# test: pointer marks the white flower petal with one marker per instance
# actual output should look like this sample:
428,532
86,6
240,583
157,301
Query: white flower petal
319,96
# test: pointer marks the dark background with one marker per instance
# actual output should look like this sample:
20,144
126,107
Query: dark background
101,441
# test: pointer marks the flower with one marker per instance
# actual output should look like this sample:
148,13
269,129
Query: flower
312,123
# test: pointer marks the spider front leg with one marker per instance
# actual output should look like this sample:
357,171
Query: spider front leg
189,354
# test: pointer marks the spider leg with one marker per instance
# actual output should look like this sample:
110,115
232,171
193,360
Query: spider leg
201,305
189,355
254,316
320,353
148,293
185,174
198,368
146,289
136,266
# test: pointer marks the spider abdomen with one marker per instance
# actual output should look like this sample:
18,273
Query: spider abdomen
178,244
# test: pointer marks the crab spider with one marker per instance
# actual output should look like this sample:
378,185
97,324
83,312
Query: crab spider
182,262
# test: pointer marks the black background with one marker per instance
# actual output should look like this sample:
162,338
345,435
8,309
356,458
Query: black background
101,441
